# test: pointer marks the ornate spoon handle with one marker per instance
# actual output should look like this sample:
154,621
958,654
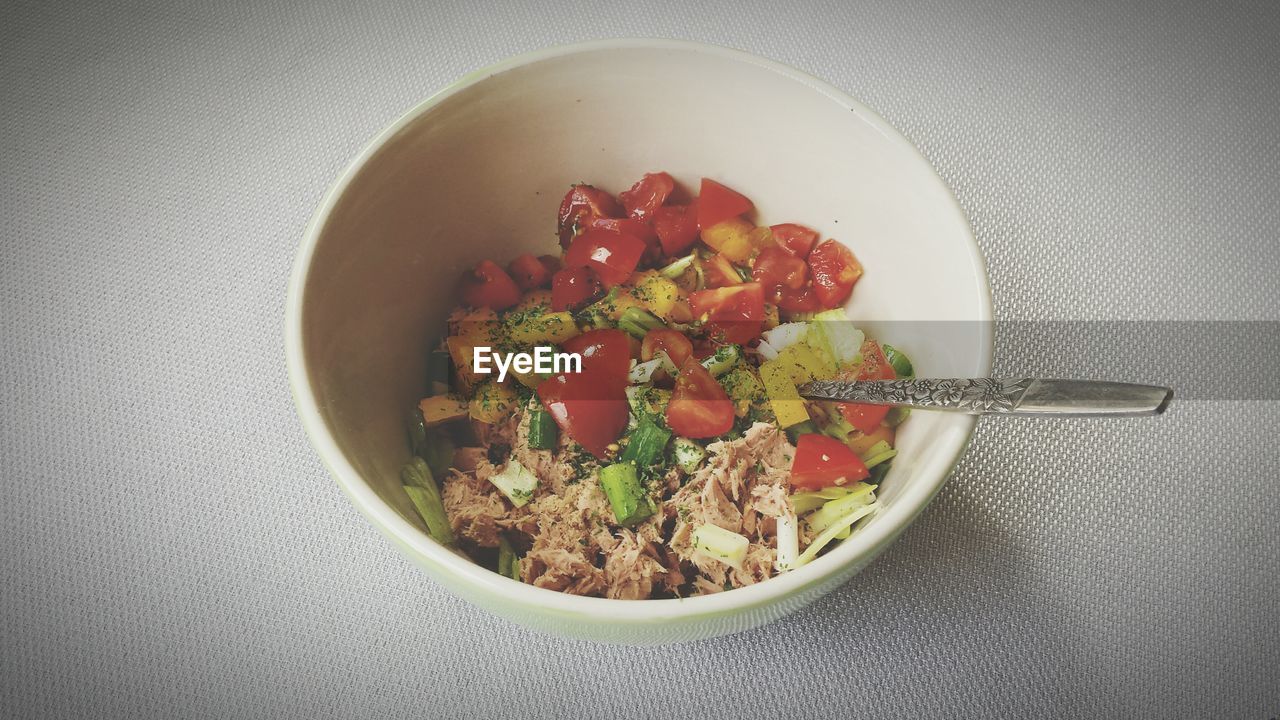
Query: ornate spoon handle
1000,396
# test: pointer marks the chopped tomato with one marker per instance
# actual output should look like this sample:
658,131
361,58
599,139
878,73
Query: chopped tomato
672,342
717,203
835,270
779,272
719,271
677,227
864,417
488,285
647,195
733,314
795,239
529,272
588,406
823,461
799,301
699,407
636,228
613,255
875,366
572,288
581,204
606,352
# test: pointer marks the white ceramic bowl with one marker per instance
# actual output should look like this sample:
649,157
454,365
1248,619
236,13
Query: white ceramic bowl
478,170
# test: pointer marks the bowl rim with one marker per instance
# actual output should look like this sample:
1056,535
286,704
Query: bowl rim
860,548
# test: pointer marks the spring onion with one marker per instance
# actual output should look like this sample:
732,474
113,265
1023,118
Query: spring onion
803,502
723,360
717,543
627,497
678,268
831,532
647,443
423,492
516,482
880,457
788,538
832,510
508,563
637,322
642,373
543,433
805,427
689,454
899,360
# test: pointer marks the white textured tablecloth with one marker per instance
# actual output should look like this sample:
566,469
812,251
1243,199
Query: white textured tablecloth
170,545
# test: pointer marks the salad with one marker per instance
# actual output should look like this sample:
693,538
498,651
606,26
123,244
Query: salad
621,418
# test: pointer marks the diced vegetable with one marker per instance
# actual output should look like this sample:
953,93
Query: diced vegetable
743,385
657,293
832,510
647,443
638,321
627,497
804,502
699,406
441,409
508,563
644,401
543,432
862,443
786,335
879,453
788,537
642,373
821,461
786,402
493,401
726,546
863,417
800,429
536,327
722,360
678,268
422,490
516,482
731,238
833,331
899,360
688,454
804,365
831,532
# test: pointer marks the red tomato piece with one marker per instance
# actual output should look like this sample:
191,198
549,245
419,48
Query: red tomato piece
672,342
719,271
875,366
488,285
636,228
834,270
717,203
798,301
647,195
795,239
572,288
733,314
699,407
863,417
612,255
677,227
605,353
529,273
779,272
580,205
588,407
823,461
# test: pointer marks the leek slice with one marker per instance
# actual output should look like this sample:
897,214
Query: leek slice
516,482
717,543
831,532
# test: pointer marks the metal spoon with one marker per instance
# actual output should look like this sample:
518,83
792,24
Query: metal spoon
1001,396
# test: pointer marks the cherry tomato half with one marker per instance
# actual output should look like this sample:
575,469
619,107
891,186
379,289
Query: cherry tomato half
606,353
581,204
733,314
572,288
699,407
612,255
672,342
717,203
488,285
677,227
795,239
875,366
823,461
720,271
647,195
834,270
529,272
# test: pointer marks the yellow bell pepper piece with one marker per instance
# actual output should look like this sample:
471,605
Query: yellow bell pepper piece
804,365
786,402
731,238
492,402
534,327
657,293
442,408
